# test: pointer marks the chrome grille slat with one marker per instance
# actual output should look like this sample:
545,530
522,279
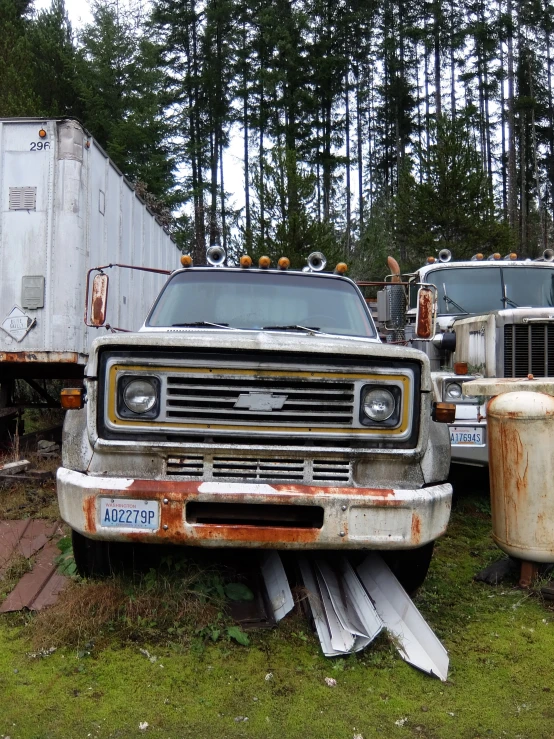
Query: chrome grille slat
174,389
246,413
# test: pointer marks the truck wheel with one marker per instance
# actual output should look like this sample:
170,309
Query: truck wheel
92,557
410,565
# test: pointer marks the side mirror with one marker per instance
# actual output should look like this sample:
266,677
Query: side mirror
426,315
98,300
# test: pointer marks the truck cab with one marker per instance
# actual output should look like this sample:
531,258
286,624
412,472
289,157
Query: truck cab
256,407
494,318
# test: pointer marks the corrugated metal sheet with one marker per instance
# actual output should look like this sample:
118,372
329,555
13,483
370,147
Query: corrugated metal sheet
39,587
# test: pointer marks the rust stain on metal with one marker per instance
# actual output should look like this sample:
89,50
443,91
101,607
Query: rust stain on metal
89,509
416,528
256,534
172,517
57,357
424,328
99,299
528,573
394,268
146,488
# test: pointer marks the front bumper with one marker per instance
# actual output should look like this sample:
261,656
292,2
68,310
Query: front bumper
349,517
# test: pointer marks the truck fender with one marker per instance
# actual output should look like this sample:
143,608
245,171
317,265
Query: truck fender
435,463
76,449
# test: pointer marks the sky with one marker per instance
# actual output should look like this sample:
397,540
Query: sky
233,159
77,10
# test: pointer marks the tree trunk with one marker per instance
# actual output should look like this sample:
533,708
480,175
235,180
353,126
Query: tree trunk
512,180
347,137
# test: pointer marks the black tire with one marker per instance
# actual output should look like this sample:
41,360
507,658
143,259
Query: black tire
92,557
410,566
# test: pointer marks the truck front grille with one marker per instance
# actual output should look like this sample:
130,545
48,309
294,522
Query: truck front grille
261,469
261,400
528,349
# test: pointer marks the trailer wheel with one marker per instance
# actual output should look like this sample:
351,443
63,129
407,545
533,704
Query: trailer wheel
410,566
92,557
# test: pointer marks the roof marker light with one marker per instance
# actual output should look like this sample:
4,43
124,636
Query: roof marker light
477,257
283,263
264,262
431,260
245,261
186,260
341,268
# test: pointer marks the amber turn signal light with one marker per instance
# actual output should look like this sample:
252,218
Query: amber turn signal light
186,260
444,412
72,398
460,368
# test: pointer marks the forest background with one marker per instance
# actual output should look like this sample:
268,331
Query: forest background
365,128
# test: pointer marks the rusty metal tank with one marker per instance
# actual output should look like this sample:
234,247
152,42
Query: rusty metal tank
521,467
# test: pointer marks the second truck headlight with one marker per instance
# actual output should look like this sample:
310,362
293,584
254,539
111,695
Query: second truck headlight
378,404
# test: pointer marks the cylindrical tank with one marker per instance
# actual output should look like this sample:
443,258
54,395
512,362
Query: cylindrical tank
521,467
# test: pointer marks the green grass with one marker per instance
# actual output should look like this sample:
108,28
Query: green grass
501,684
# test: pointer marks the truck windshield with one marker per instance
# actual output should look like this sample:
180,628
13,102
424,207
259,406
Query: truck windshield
463,290
256,300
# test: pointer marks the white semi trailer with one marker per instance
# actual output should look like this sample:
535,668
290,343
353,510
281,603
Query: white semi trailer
66,208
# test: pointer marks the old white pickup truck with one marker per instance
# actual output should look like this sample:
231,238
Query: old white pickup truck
256,407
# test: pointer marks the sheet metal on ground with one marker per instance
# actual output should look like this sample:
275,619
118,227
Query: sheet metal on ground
41,586
350,608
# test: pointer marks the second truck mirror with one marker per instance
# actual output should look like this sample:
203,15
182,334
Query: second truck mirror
426,314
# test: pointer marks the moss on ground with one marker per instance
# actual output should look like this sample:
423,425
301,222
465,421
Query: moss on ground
500,641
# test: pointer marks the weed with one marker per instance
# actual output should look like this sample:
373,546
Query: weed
65,561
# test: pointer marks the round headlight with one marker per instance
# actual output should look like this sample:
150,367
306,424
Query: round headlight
379,404
454,391
139,396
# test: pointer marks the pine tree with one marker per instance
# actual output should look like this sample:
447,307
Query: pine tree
17,90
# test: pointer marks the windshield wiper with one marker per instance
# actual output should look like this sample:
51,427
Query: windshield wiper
294,327
449,301
505,299
199,324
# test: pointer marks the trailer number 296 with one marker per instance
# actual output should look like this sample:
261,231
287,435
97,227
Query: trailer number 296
39,145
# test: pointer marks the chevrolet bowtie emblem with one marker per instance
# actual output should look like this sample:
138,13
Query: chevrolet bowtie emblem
260,401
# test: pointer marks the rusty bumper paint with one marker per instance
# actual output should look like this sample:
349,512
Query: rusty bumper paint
349,518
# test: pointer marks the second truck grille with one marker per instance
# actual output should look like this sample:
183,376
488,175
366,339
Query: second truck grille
528,349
